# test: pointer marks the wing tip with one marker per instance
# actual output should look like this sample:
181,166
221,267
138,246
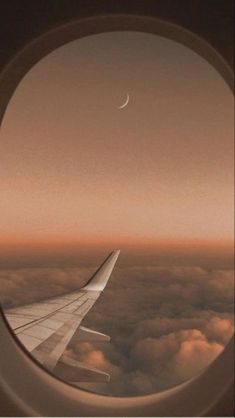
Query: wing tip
100,278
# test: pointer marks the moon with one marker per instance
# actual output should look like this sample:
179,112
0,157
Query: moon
125,103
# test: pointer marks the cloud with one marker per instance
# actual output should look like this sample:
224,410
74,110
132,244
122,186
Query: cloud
180,355
153,363
219,329
166,323
26,285
195,353
95,357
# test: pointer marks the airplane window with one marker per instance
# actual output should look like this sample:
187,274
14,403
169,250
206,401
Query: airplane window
119,141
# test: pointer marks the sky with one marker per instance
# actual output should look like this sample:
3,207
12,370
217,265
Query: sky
80,177
75,168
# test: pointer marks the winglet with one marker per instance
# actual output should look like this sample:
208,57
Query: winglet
100,278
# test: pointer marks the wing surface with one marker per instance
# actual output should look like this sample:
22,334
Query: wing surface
46,328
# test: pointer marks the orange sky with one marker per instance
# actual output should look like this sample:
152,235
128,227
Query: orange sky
74,168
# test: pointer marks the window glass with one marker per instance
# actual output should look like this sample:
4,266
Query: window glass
123,140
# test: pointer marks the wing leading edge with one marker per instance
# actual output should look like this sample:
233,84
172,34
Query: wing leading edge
46,328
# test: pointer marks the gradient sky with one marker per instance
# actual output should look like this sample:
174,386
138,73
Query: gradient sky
79,176
73,167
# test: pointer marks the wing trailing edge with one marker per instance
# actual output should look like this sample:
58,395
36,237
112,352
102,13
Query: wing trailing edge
75,371
87,334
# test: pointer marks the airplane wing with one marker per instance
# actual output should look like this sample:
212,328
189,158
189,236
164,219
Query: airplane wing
46,328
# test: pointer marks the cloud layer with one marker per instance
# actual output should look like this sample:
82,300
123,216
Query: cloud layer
166,324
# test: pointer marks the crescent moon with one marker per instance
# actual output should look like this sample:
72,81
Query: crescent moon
125,103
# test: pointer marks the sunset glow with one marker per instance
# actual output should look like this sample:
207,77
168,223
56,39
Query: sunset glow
73,168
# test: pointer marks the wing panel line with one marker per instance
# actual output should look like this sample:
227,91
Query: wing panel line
35,321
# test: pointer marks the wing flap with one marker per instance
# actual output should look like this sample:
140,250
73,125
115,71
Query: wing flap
76,371
87,334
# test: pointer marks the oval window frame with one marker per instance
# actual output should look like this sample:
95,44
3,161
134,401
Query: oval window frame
47,395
